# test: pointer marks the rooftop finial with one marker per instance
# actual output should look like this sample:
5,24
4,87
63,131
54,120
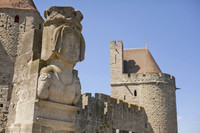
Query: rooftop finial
146,45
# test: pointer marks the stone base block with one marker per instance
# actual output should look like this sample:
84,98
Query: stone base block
59,117
49,117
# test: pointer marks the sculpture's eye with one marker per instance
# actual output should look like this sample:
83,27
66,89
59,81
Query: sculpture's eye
48,13
74,13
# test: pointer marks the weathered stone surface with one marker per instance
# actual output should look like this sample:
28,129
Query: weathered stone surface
155,92
26,69
46,102
104,114
21,111
11,33
46,87
62,48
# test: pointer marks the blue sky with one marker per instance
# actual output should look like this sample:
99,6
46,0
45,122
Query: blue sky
172,30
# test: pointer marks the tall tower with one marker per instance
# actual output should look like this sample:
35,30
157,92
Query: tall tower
17,17
137,79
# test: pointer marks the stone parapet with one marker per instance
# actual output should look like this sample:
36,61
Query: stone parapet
103,113
146,78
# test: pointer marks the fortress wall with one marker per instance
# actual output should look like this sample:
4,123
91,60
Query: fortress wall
103,113
4,104
12,46
126,116
25,79
12,32
155,92
94,115
9,34
8,48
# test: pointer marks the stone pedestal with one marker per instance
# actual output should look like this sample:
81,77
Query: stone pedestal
48,117
59,117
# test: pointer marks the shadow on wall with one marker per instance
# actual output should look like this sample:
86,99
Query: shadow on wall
147,125
104,114
131,121
6,68
130,66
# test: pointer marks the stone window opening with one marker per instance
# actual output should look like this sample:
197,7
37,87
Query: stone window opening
1,105
135,93
124,97
40,26
16,19
146,125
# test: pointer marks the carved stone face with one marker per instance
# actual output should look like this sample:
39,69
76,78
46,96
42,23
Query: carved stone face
70,51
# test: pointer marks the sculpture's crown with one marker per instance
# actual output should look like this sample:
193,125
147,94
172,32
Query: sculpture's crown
61,15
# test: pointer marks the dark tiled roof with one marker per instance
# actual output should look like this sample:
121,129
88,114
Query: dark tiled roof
139,61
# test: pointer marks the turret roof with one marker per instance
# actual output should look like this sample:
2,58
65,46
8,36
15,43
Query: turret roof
18,4
139,61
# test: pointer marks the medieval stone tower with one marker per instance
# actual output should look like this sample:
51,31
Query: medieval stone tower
137,79
16,18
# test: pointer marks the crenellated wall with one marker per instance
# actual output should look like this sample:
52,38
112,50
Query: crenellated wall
94,115
105,114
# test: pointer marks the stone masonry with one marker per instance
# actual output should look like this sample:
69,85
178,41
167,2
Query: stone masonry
142,98
153,91
14,22
104,114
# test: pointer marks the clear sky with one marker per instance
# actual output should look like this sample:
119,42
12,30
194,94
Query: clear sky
172,30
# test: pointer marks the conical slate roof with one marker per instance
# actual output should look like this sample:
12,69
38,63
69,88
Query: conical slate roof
18,4
139,61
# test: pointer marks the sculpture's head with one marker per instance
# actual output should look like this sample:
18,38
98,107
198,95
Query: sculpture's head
68,44
62,36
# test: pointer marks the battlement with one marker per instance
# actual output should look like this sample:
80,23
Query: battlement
144,78
102,112
115,44
88,98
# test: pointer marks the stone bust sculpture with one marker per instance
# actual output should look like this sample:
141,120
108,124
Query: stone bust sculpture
64,46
